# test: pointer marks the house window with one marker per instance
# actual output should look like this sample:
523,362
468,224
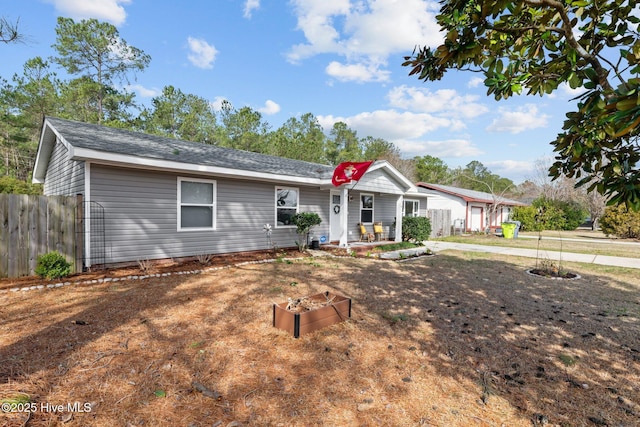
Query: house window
366,208
411,208
196,204
286,206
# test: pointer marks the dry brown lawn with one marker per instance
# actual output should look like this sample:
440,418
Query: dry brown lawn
456,339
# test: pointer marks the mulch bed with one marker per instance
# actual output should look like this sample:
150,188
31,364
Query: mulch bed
158,267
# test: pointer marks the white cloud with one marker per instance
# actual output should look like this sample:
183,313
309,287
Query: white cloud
390,124
515,170
270,108
444,101
216,104
356,72
516,121
315,19
249,7
506,167
143,91
450,148
566,90
475,82
202,53
365,33
103,10
408,131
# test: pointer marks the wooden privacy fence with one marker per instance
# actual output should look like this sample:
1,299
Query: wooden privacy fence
31,226
440,222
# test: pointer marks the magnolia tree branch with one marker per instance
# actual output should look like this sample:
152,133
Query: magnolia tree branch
559,7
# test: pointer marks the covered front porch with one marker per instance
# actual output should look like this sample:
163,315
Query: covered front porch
378,197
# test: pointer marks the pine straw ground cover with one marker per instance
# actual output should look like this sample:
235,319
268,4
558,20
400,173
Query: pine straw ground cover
456,339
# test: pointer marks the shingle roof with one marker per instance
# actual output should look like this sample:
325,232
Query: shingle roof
125,142
469,195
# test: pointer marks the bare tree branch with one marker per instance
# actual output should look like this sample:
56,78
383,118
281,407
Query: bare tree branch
9,31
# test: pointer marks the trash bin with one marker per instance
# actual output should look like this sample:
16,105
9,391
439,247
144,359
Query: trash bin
315,244
515,233
508,230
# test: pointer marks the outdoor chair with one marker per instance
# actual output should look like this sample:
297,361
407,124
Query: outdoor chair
365,235
378,230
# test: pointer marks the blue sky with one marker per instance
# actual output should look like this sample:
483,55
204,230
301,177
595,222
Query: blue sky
337,59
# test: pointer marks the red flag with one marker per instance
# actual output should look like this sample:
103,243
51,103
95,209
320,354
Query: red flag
349,171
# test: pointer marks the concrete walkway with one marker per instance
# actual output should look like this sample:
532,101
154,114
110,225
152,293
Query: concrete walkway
574,239
437,246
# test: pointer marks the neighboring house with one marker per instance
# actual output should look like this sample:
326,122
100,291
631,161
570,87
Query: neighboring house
158,198
470,210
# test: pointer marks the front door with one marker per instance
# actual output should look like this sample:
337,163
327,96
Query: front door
335,228
476,219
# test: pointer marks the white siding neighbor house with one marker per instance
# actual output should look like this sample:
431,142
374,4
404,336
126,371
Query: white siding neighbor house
163,198
470,210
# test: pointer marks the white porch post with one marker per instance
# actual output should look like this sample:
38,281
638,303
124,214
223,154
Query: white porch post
344,217
399,219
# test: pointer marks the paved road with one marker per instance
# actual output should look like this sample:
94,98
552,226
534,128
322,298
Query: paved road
437,246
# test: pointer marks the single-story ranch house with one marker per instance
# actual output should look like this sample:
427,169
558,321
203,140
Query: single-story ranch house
470,210
159,198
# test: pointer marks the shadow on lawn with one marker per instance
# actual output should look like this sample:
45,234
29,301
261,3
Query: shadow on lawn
557,350
560,351
50,347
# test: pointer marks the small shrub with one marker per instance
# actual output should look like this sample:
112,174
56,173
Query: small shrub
52,265
304,221
204,259
144,265
416,228
620,222
527,217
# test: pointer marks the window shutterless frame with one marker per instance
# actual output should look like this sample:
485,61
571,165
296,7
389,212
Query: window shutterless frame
411,208
287,202
196,204
366,208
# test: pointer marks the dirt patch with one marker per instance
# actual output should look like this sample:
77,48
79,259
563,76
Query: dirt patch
451,340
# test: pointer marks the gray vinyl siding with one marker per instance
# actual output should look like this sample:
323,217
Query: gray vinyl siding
384,210
141,215
378,181
65,177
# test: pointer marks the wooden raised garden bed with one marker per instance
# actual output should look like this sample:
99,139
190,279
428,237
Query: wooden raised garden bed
303,315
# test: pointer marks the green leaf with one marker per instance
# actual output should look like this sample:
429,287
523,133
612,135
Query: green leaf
159,393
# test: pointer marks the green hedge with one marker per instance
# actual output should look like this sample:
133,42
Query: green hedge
416,228
547,214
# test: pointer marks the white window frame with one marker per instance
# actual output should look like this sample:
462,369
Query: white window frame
275,205
416,207
213,204
373,205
